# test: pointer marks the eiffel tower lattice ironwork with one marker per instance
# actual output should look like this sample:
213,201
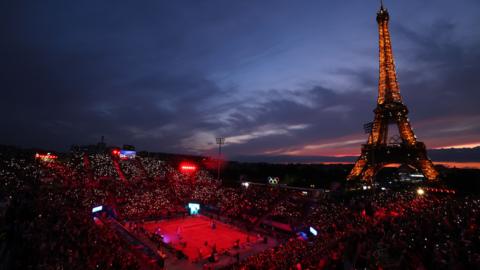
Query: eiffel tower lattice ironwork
377,153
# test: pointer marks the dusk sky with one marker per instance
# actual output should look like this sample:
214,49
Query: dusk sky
273,77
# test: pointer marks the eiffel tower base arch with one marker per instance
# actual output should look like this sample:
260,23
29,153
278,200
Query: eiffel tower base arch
375,157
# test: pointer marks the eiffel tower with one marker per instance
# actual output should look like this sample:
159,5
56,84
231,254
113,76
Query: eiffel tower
378,152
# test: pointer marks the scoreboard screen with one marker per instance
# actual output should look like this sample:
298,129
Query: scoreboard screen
194,208
127,154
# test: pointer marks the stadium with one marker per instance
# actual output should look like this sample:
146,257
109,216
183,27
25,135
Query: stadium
104,209
301,187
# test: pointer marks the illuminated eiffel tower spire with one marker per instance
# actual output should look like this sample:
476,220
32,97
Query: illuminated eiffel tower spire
390,109
388,89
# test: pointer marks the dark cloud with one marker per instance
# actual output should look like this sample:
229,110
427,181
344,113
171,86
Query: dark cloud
271,77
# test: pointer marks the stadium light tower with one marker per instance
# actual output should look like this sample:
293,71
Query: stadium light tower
220,142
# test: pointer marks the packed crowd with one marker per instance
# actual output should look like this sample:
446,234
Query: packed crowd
47,206
291,209
102,167
402,231
46,224
132,170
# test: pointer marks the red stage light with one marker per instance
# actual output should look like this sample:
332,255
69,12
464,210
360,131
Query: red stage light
187,167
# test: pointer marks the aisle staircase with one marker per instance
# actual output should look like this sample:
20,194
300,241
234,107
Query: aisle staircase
120,173
139,165
88,167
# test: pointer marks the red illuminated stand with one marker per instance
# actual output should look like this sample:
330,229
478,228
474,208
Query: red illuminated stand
48,157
